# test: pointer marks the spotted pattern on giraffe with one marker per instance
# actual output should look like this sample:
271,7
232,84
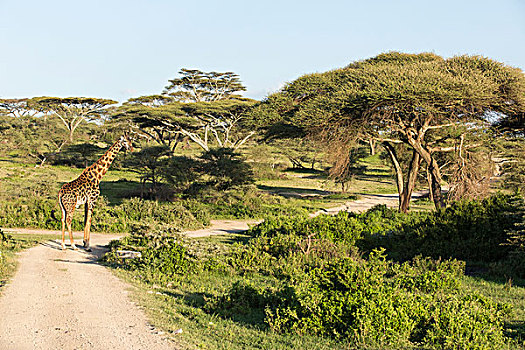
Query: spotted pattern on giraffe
85,190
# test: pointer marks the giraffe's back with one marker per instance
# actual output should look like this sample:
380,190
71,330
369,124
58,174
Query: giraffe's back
77,192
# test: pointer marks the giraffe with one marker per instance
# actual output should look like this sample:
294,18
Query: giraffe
85,190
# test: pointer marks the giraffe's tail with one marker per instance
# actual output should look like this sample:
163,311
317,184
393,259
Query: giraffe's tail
53,216
62,208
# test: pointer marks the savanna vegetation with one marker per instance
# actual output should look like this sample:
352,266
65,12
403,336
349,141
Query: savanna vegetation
448,275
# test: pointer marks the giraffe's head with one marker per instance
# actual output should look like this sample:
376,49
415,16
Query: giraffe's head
127,142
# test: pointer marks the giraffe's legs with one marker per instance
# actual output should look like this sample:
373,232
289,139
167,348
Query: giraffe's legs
88,211
64,215
69,219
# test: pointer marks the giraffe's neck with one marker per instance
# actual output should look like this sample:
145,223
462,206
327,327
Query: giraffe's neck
98,169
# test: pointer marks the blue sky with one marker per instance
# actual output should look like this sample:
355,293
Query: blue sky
127,48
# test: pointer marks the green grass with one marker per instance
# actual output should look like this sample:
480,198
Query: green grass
508,292
179,304
25,180
376,179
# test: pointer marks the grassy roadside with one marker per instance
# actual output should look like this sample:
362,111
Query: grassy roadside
179,304
508,292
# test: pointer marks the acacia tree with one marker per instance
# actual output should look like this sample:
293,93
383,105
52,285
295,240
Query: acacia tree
203,107
194,85
20,107
394,98
72,111
220,119
156,123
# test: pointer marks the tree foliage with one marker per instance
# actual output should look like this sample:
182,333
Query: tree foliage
72,111
418,100
198,106
149,162
194,85
31,138
20,107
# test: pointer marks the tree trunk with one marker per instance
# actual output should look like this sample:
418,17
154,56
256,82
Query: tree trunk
372,145
397,167
413,170
435,173
439,201
429,180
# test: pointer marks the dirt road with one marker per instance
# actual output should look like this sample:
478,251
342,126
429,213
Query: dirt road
367,201
65,300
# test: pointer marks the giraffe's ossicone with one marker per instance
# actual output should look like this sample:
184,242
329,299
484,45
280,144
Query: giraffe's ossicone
85,190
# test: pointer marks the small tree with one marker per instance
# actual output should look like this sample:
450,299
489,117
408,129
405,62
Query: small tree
226,167
79,155
72,111
149,162
194,85
181,171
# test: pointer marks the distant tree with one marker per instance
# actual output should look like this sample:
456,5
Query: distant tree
150,100
30,137
20,107
72,111
194,85
149,162
79,155
416,100
226,167
203,107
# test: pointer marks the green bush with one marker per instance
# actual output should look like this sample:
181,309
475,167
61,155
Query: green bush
331,290
374,302
242,298
226,167
466,230
246,202
343,227
162,252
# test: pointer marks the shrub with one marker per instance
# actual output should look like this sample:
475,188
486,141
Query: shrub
370,302
466,230
162,252
245,202
343,227
226,167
